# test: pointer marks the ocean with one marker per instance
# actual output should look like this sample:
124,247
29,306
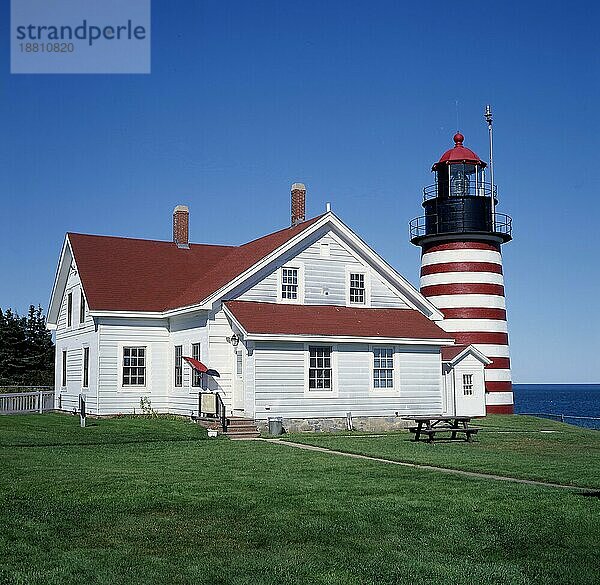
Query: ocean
571,400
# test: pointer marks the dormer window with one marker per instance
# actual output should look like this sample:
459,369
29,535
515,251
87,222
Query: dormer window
289,284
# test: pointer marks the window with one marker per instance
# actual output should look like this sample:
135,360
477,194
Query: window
239,363
81,308
178,365
134,366
69,309
468,384
357,288
63,379
86,367
196,375
319,368
383,367
289,283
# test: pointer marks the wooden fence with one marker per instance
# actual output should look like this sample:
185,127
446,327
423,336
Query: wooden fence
40,400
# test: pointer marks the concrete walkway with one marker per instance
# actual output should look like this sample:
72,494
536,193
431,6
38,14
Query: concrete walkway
429,467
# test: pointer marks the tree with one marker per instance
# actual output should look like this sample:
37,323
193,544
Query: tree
26,349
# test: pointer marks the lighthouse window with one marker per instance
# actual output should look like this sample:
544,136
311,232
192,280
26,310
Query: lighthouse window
357,288
459,181
468,384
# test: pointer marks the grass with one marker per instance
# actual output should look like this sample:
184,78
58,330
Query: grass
61,429
150,510
507,445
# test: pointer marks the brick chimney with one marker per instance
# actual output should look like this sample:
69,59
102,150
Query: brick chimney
298,203
181,220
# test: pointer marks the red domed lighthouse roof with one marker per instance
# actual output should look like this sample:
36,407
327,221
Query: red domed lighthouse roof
458,154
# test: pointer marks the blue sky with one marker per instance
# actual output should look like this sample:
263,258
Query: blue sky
357,100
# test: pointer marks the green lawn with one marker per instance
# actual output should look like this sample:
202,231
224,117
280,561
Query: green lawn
506,445
152,502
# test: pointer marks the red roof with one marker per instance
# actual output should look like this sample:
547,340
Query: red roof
451,351
125,274
459,153
324,320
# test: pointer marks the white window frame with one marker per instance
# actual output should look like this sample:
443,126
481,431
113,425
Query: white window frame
300,268
64,369
147,387
202,384
69,322
333,393
367,274
468,388
395,370
83,348
81,305
175,384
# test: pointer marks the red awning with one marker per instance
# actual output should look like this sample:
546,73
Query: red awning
196,364
200,367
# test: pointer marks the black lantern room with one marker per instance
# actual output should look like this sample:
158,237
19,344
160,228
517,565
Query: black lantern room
460,201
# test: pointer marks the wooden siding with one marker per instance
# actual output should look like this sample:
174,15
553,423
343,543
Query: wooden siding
72,340
114,333
323,274
280,374
220,356
185,330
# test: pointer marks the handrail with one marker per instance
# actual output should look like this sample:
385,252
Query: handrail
219,412
562,417
470,189
426,225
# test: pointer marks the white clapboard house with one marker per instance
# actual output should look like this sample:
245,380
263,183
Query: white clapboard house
307,323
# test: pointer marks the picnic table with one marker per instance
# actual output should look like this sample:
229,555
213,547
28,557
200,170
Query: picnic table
429,426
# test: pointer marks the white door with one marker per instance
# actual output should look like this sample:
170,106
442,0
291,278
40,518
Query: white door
238,379
469,392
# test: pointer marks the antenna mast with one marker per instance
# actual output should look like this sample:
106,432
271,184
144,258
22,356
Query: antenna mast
488,119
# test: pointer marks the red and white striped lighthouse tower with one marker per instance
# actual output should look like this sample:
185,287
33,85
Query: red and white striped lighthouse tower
460,236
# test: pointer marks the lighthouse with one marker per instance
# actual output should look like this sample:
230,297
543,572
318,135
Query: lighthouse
461,236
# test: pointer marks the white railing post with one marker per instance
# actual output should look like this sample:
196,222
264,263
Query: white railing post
40,401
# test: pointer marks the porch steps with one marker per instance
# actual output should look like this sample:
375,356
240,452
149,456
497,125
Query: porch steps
241,428
237,427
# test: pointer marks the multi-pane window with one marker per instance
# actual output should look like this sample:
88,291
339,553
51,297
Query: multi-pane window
383,367
81,308
289,283
319,368
468,384
134,366
69,309
86,367
196,375
178,365
357,288
63,378
239,363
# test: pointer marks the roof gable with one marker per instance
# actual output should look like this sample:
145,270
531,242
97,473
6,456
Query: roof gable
238,261
454,354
